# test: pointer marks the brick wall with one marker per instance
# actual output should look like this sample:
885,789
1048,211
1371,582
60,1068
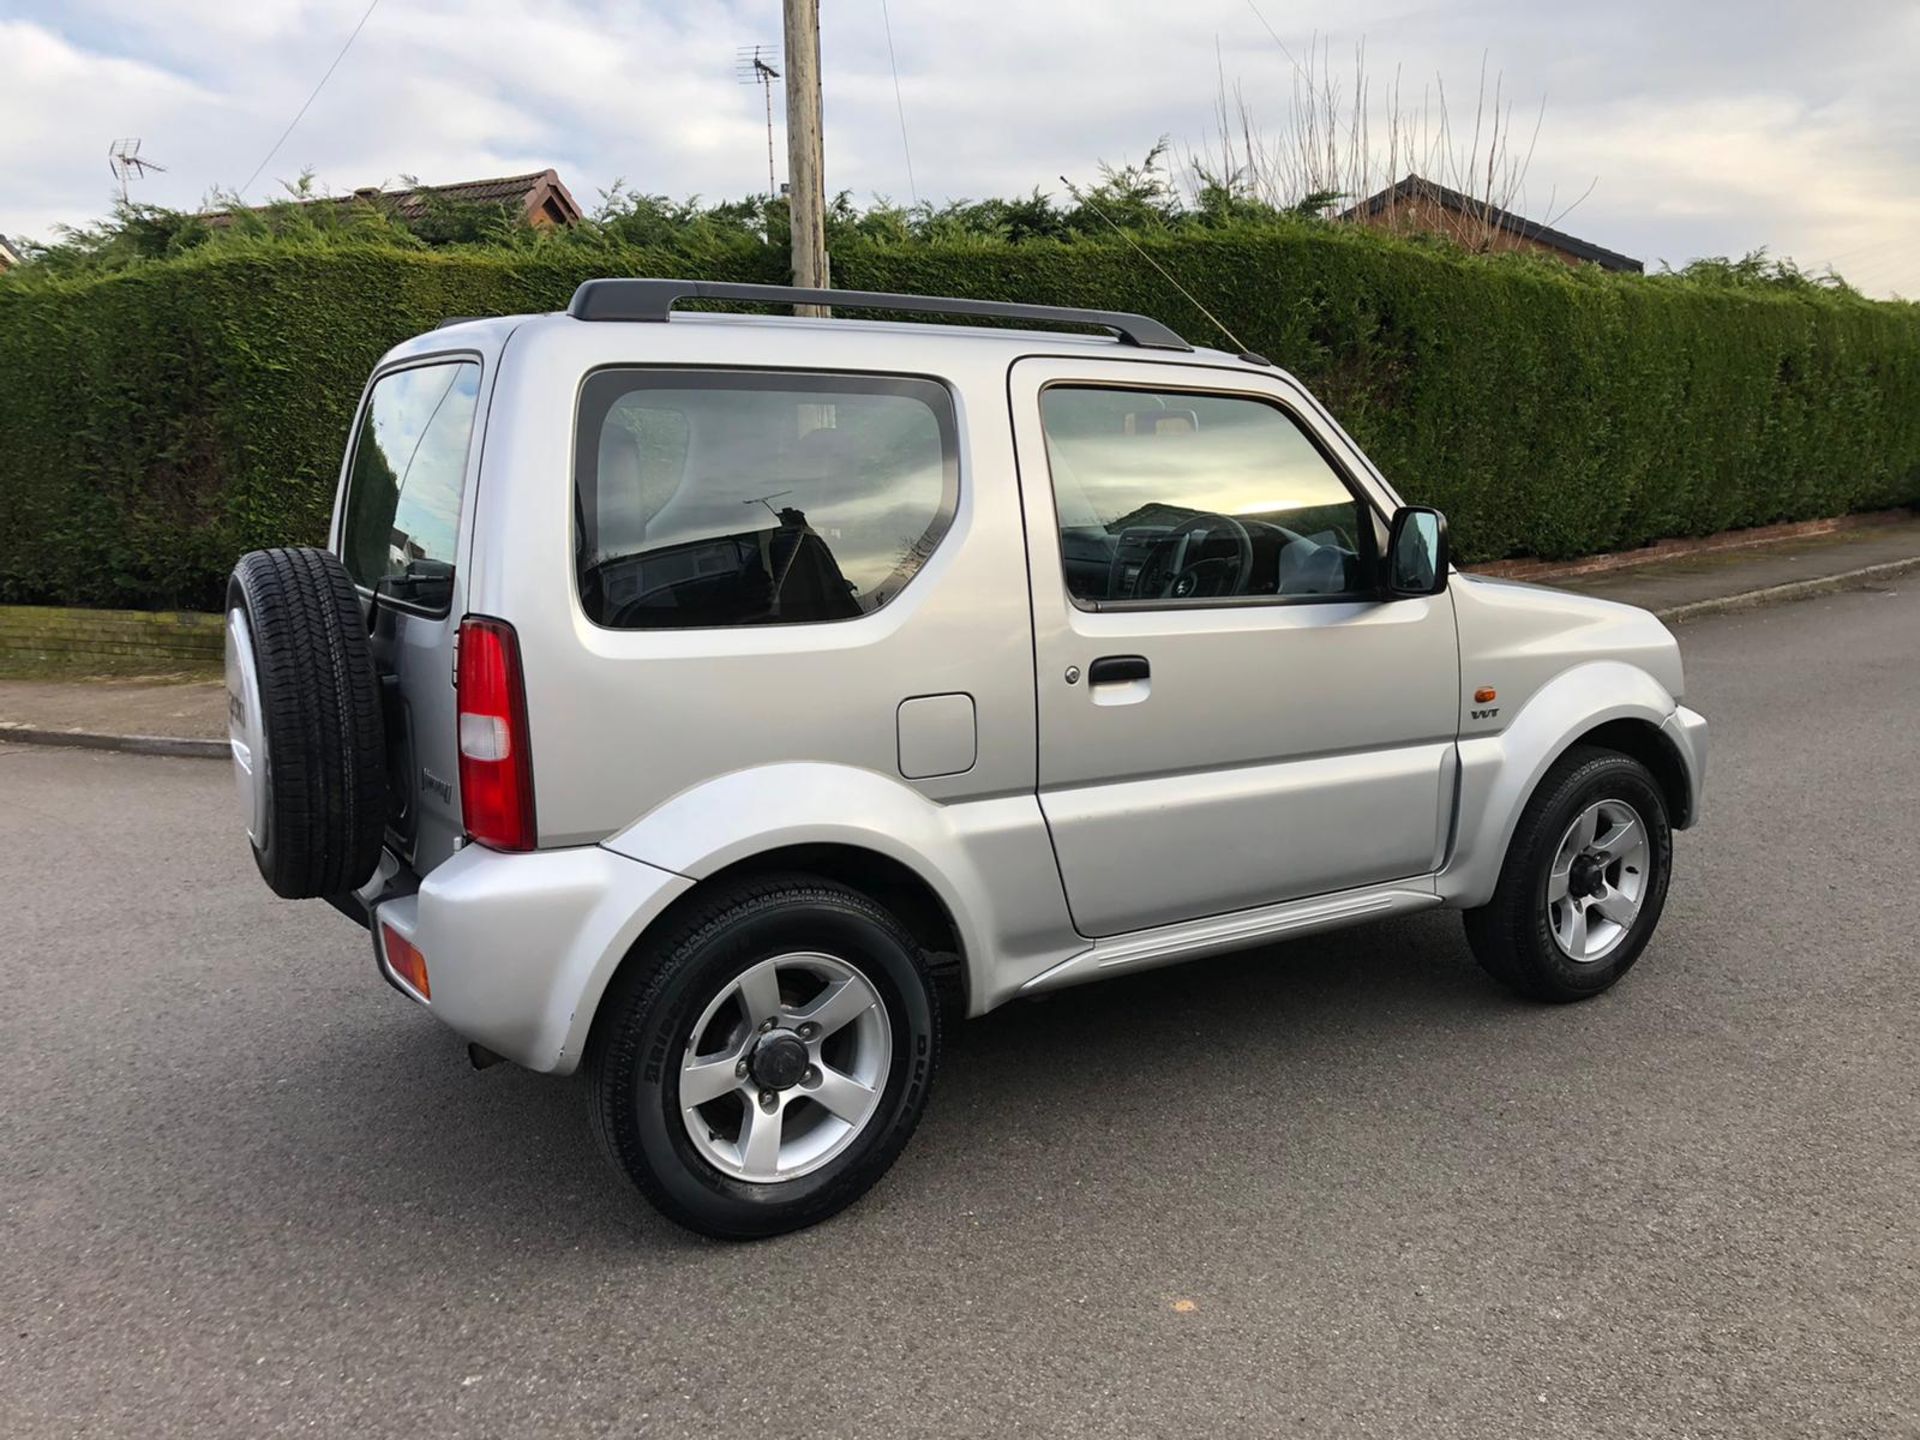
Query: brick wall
37,637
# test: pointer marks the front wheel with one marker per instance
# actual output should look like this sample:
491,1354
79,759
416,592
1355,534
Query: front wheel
761,1065
1584,881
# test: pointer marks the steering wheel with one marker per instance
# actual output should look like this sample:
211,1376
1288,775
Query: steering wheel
1169,574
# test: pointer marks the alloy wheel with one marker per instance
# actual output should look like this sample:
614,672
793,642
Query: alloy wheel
785,1067
1599,879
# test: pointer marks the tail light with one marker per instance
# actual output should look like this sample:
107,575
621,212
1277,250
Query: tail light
496,766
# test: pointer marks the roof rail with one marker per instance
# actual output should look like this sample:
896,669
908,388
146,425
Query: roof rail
653,300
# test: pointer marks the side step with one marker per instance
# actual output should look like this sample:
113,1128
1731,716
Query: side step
1190,939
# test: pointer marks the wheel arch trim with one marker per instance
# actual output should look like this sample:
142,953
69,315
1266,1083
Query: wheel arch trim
1499,773
988,863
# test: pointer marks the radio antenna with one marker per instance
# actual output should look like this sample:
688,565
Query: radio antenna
1167,275
767,500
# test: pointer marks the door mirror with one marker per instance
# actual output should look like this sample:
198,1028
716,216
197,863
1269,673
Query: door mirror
1417,552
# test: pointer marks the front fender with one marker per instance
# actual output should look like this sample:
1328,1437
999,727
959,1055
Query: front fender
988,860
1499,772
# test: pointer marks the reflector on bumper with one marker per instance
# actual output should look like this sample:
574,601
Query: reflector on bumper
404,962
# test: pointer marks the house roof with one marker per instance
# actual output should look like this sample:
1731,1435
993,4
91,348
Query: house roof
8,255
532,192
1415,187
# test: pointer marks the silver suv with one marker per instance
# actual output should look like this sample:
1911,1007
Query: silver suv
723,702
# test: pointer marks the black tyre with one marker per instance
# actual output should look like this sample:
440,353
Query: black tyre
761,1063
304,711
1584,880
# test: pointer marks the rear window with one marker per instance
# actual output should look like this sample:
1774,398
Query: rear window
712,498
403,492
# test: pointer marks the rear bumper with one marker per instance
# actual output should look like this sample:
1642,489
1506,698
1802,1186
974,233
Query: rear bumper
519,948
1687,730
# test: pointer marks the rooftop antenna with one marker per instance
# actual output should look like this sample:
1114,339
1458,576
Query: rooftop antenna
124,158
752,67
1165,274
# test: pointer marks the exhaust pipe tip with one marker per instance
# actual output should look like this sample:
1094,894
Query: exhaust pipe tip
482,1058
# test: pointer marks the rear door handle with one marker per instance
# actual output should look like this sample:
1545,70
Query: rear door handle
1117,669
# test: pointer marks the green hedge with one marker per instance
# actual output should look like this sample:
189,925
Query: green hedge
155,424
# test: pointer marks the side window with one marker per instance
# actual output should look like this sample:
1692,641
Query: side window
1173,497
403,492
709,498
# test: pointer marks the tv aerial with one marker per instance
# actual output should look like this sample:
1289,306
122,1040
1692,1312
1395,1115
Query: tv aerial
753,65
124,158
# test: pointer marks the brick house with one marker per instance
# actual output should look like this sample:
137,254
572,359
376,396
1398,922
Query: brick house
540,197
1419,205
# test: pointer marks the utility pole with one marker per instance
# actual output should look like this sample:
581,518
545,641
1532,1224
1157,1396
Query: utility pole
806,180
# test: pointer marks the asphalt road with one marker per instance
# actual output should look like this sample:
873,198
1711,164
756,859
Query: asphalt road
1338,1187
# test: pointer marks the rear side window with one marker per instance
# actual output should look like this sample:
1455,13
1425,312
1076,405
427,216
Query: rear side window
403,492
709,498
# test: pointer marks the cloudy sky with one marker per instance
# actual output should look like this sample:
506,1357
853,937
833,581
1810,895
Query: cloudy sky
1710,126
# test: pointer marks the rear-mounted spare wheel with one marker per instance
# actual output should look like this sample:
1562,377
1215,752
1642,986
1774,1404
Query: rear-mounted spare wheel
303,714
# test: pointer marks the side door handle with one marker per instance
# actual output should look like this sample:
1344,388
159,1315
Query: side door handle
1118,669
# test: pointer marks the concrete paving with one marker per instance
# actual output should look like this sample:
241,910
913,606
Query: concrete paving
1339,1187
1673,584
193,709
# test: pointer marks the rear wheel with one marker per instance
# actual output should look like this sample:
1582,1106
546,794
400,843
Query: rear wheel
758,1067
1584,881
